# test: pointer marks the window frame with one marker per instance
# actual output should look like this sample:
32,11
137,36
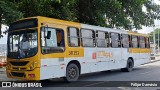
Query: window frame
106,32
128,40
78,36
119,41
134,41
140,37
147,45
41,40
94,38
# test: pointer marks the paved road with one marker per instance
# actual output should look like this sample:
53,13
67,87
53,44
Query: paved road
147,72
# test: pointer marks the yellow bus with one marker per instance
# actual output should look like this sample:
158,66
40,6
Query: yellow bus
43,48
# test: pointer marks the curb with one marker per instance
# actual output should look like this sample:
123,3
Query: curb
151,62
154,61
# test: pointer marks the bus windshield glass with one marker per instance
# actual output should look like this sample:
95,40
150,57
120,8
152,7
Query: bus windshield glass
22,44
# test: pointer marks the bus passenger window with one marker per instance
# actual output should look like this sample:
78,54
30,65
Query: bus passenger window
88,38
73,37
115,40
125,41
142,42
134,41
55,43
147,42
102,39
130,41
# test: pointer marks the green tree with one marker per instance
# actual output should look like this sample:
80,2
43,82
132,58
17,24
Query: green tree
123,14
61,9
8,13
151,34
119,13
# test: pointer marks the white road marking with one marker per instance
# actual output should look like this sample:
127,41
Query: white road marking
94,84
145,72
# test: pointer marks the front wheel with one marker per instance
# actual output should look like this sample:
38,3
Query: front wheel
129,66
72,73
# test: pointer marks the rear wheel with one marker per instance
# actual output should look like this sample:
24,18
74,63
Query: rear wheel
72,73
129,66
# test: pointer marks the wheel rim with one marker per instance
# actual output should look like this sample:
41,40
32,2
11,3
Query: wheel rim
72,72
130,65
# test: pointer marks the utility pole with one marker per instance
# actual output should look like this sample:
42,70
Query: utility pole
158,40
154,41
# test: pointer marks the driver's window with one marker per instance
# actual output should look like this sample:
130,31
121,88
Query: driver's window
53,44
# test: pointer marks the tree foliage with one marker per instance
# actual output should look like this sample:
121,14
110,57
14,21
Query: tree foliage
123,14
8,13
151,34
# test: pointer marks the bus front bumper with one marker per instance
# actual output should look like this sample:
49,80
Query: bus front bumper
24,75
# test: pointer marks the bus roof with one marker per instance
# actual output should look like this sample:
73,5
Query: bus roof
137,34
50,20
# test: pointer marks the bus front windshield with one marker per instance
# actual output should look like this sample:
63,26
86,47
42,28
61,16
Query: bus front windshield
22,44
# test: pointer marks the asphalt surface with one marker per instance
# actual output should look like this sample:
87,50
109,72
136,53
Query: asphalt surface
112,80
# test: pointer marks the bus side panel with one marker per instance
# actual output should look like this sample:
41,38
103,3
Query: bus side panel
125,56
140,56
90,59
52,68
145,55
116,61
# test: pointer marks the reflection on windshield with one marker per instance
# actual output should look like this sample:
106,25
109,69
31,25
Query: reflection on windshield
22,44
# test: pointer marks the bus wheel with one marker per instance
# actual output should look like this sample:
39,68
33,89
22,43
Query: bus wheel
72,73
129,66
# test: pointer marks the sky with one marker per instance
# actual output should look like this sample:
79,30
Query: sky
4,39
147,30
144,29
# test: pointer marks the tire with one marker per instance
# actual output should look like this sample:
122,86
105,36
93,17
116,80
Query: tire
129,66
72,73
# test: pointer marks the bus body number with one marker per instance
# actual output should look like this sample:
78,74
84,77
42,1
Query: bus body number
73,52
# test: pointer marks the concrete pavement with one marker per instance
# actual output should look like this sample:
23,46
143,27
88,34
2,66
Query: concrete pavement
146,72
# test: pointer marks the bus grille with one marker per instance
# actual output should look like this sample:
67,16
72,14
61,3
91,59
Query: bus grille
16,74
19,63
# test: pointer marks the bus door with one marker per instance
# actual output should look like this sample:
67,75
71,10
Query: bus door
52,49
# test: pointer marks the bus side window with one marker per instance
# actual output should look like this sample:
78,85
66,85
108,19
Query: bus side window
73,37
134,41
115,40
102,39
88,38
130,41
142,42
147,44
125,41
53,44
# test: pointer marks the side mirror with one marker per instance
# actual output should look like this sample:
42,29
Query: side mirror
48,34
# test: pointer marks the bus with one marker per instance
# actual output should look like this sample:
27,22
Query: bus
42,48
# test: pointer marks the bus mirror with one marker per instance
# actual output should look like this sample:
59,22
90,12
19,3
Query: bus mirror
48,34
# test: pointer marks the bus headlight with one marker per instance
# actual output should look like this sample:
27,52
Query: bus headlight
33,65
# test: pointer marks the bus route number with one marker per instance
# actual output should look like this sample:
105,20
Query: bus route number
73,52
